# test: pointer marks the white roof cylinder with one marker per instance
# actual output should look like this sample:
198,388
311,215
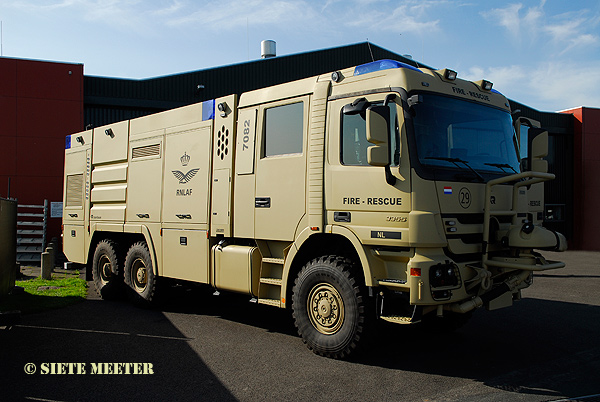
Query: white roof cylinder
267,49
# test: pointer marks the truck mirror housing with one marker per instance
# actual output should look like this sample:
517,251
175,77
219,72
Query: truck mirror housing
539,150
378,133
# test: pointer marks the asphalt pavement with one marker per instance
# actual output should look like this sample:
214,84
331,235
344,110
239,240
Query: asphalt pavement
199,347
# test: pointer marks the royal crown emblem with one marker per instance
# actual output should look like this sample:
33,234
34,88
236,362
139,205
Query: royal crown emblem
185,159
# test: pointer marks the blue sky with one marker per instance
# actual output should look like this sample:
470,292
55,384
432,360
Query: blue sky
544,53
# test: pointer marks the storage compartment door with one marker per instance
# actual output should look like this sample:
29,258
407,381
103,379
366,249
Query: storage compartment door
185,255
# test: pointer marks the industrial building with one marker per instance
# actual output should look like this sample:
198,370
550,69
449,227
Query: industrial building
41,102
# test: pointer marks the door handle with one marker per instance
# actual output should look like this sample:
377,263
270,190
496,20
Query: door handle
342,217
262,202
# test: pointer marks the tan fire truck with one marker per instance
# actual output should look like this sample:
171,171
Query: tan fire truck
382,191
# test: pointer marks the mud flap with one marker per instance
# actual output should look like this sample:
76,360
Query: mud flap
504,300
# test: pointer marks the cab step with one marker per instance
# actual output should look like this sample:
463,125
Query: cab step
397,319
271,281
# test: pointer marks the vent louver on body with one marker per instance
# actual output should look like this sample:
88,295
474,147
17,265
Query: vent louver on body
148,150
74,196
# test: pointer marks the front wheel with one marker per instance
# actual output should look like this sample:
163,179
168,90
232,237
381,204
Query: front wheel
139,275
328,307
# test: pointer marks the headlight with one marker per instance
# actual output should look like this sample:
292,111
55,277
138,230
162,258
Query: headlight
444,275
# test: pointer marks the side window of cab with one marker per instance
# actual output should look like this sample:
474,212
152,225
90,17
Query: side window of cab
354,144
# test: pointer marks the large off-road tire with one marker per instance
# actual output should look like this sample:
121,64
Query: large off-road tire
106,270
329,307
139,274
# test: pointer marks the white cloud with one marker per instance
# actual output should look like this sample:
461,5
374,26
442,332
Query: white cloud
518,20
410,16
507,17
502,77
569,84
548,86
563,32
570,31
127,15
229,15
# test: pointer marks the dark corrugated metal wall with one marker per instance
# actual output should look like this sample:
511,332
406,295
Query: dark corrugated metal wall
108,100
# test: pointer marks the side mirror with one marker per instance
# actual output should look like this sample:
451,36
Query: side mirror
378,133
539,150
533,144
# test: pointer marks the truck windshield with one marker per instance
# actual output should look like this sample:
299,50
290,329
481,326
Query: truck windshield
457,139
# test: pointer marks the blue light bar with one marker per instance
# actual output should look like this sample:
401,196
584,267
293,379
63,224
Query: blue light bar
382,65
208,110
68,142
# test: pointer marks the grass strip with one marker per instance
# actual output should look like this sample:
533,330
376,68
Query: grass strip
41,295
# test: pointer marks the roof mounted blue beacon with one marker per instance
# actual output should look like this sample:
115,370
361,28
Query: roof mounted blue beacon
379,65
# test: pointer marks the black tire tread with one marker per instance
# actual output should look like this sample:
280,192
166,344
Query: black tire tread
110,290
346,268
140,249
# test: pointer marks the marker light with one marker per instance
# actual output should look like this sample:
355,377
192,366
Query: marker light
450,75
484,85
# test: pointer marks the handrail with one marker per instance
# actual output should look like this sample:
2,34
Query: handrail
532,178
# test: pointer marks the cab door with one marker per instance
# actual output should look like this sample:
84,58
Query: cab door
359,196
279,203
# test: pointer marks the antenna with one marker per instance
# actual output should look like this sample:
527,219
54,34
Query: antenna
370,51
248,37
1,41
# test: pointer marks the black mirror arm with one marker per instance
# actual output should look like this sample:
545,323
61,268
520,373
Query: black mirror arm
389,177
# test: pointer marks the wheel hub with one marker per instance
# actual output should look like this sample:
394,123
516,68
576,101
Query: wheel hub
139,275
325,308
106,273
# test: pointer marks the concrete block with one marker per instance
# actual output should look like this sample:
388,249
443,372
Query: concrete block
47,266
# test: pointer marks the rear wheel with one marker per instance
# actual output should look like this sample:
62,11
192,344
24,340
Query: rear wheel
139,275
106,270
328,307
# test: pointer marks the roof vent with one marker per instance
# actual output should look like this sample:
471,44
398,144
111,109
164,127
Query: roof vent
267,49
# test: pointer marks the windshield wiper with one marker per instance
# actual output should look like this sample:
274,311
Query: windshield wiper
456,162
501,166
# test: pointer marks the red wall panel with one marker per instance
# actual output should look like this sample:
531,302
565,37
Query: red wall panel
8,113
40,103
8,162
40,157
586,177
8,77
47,117
42,80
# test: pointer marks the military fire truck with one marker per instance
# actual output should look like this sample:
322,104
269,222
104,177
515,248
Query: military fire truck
382,191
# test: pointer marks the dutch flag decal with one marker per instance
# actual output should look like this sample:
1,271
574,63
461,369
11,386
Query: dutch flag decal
447,190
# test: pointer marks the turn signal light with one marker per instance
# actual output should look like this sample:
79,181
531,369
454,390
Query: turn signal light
415,272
